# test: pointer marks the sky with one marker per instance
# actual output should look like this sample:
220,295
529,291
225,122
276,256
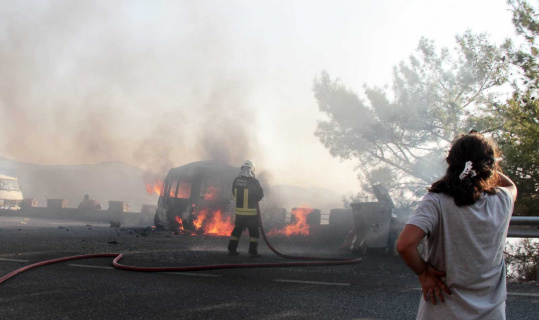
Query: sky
158,84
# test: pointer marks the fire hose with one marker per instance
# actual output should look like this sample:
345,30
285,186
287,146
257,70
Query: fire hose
310,261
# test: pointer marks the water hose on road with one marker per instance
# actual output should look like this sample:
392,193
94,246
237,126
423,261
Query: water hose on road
312,261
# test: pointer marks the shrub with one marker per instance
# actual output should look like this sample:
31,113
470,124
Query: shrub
521,260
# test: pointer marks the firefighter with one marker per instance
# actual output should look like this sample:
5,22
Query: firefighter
247,192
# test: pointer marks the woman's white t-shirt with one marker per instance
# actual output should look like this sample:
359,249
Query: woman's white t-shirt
467,243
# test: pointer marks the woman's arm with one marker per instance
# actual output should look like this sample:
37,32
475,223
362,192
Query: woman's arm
504,181
407,244
428,276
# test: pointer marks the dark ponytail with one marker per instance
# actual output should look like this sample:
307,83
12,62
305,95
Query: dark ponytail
482,176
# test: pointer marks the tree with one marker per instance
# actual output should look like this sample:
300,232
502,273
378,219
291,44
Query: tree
400,142
519,137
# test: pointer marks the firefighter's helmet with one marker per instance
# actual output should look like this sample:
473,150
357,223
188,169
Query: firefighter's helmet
250,164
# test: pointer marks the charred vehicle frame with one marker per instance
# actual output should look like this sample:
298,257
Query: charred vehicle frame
189,189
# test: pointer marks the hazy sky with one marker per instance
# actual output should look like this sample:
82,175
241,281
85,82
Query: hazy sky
163,83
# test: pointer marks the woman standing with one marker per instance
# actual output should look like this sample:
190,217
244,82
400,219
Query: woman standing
465,217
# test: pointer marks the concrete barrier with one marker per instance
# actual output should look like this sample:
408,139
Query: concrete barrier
84,215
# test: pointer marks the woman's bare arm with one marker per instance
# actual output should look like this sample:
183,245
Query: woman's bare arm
428,276
407,244
504,181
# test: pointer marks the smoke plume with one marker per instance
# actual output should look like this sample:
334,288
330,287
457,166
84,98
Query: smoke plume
78,84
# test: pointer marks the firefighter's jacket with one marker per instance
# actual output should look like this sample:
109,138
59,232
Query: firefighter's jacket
248,193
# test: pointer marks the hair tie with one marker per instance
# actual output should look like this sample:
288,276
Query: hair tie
467,171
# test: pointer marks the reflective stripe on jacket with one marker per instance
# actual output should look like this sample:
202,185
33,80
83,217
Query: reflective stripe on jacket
247,192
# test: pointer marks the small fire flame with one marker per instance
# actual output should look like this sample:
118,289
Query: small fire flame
213,222
184,191
211,193
180,222
299,227
154,187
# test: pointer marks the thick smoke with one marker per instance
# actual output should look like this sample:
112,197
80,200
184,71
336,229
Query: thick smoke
227,131
154,86
78,85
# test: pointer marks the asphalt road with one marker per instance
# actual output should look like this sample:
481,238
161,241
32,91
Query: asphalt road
380,287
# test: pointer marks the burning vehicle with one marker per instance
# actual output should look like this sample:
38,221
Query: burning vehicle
196,197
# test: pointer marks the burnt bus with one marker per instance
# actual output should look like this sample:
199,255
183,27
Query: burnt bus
203,186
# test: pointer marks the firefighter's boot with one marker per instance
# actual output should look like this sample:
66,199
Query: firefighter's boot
232,247
253,252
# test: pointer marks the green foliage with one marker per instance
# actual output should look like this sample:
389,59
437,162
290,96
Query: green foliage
519,141
515,123
400,141
526,25
521,260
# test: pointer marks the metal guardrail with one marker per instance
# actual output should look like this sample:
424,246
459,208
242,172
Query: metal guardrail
524,221
524,227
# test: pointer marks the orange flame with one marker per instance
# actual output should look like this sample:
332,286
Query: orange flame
184,191
299,227
211,193
180,222
213,222
154,187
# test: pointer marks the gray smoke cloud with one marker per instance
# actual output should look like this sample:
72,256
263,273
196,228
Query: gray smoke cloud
227,131
78,85
152,85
